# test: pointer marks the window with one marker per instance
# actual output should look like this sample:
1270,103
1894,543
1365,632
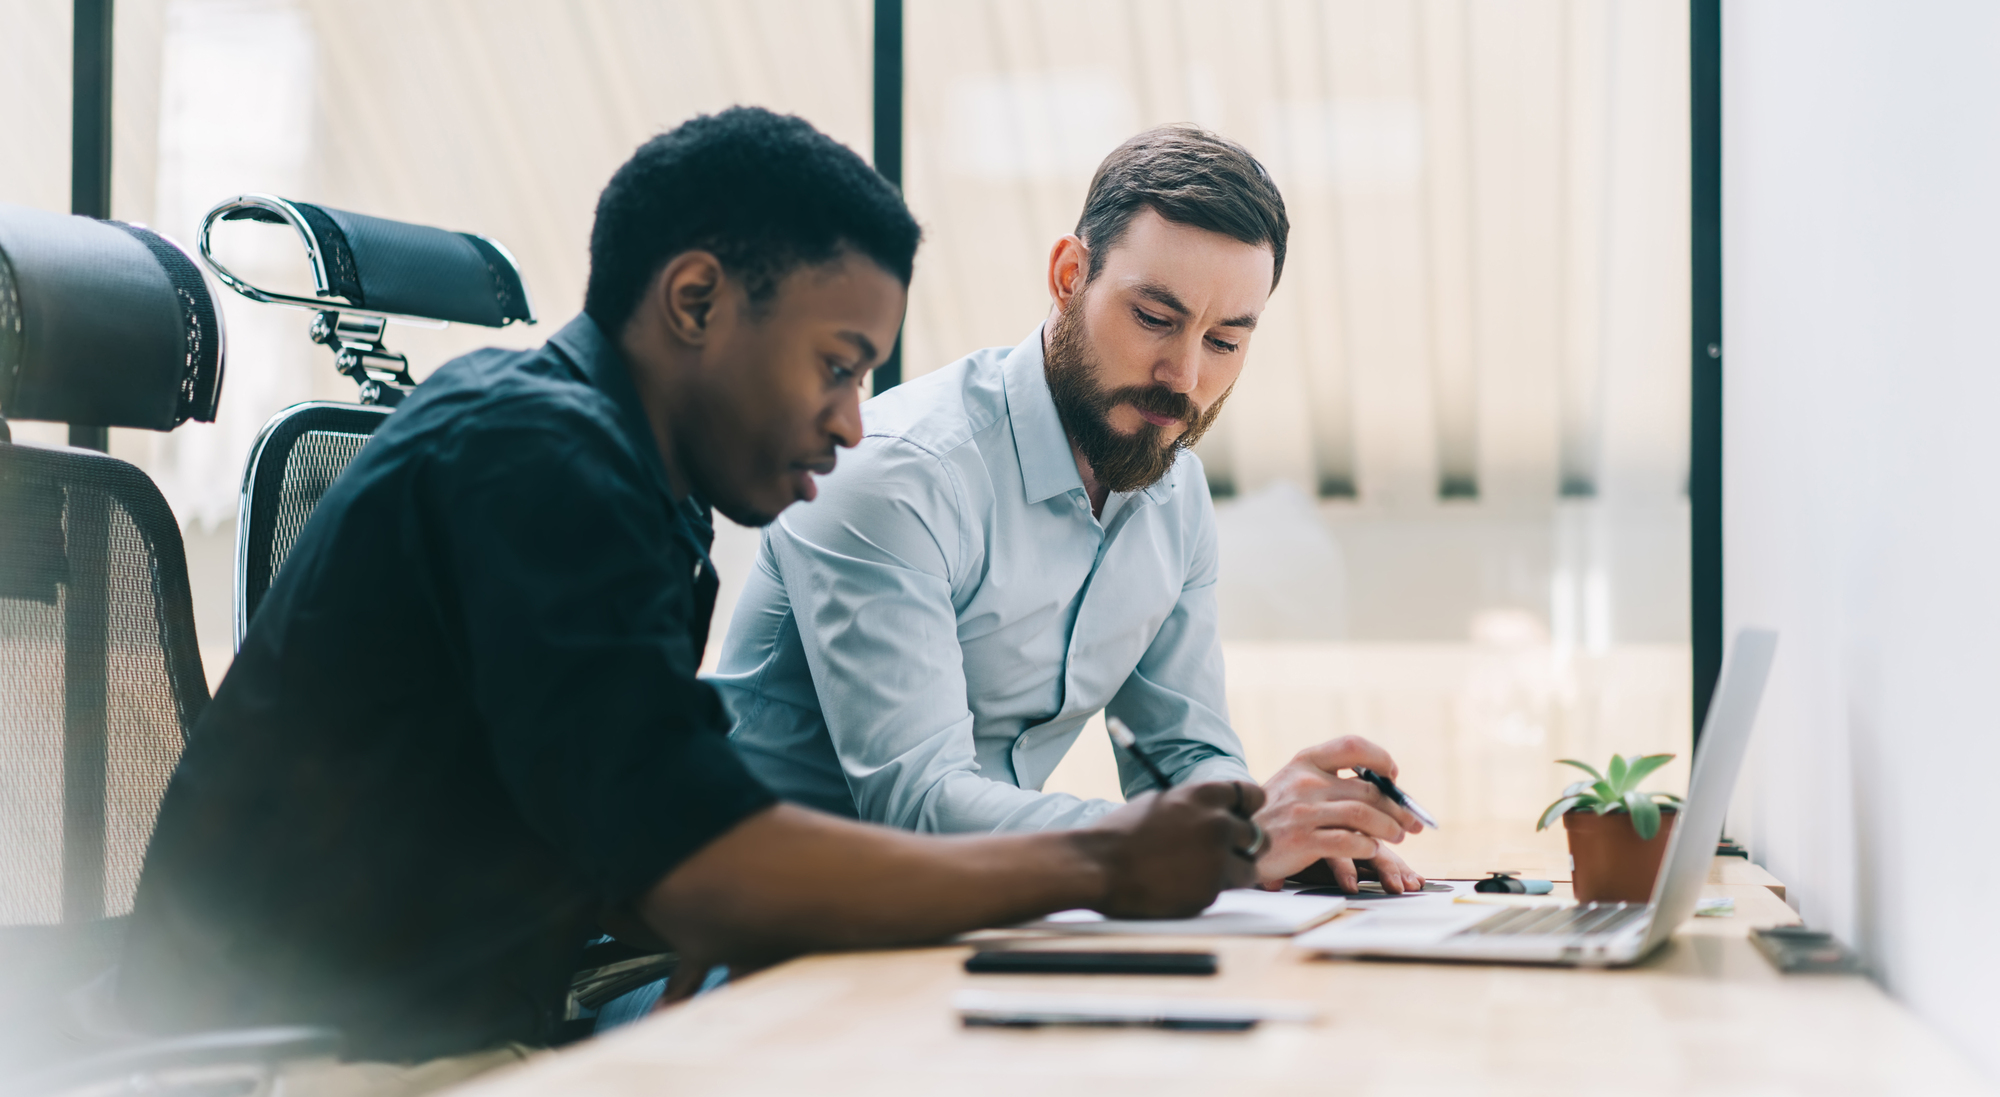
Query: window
1451,484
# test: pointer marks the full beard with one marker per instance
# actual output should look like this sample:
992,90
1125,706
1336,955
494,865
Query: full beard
1121,462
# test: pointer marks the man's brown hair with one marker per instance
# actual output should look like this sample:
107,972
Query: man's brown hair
1191,177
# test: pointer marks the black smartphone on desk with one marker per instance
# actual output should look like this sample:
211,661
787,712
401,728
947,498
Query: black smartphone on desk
1009,961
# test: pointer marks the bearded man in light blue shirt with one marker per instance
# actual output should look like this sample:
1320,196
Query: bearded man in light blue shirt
1024,538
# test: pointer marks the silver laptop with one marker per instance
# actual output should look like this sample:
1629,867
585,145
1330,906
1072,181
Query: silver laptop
1589,933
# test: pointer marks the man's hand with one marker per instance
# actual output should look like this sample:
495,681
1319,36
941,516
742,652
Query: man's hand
1387,866
1313,813
1165,855
788,880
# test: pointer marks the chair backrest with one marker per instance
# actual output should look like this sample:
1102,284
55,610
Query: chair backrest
366,272
100,679
103,324
301,452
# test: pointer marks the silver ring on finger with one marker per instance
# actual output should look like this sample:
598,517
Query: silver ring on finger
1259,842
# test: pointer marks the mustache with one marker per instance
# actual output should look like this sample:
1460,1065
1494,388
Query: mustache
1158,400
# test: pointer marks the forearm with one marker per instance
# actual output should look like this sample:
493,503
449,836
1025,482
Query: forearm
1185,736
1175,700
789,880
961,801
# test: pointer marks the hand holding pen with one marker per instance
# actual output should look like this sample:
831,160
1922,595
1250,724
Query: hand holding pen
1314,814
1397,796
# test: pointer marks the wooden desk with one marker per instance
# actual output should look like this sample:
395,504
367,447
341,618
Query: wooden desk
1705,1015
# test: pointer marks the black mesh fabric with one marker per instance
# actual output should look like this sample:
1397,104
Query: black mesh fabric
416,270
507,289
201,376
341,277
301,454
10,327
316,461
100,677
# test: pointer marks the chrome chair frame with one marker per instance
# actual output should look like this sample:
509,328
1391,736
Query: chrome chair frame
272,209
353,331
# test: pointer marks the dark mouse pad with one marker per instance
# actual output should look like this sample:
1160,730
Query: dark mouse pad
1370,889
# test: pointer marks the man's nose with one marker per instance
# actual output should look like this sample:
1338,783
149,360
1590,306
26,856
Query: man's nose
845,422
1180,369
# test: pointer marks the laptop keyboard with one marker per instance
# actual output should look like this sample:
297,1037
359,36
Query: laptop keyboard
1576,921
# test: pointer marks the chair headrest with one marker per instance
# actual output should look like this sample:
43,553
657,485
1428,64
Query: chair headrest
103,324
384,267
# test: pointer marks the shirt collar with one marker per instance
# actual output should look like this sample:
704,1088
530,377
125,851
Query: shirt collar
1041,445
603,365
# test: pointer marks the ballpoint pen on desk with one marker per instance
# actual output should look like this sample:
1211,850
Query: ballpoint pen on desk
1389,789
1129,743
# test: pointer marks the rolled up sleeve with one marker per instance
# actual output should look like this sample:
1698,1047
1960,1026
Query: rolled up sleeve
1175,699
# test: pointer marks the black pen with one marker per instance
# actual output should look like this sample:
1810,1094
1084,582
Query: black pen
1123,736
1390,790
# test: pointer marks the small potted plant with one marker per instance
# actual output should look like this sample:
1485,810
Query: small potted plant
1617,834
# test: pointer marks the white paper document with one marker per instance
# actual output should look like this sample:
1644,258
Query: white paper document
1404,920
1241,912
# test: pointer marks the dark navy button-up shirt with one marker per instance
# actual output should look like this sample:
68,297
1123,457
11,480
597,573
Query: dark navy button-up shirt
464,721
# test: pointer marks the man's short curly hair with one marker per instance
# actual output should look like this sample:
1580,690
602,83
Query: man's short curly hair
764,192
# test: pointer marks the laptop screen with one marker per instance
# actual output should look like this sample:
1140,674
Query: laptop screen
1718,759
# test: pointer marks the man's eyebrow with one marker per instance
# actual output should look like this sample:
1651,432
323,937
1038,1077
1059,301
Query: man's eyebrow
1155,292
862,344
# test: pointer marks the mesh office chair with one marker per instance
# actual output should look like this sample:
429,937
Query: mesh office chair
100,676
381,270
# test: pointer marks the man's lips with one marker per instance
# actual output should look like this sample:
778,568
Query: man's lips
802,477
1157,419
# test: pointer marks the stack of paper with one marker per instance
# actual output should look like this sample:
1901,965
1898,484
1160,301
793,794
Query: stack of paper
1242,912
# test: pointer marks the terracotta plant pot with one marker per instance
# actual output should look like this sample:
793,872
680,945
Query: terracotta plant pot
1610,863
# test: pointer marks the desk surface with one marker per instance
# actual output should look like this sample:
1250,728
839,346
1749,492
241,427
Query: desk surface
1705,1014
1470,851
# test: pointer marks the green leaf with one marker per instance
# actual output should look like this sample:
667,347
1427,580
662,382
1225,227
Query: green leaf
1592,770
1557,810
1607,806
1641,768
1616,775
1645,814
1665,797
1577,788
1604,791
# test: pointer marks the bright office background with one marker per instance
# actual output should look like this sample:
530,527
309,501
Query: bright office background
1451,485
1489,287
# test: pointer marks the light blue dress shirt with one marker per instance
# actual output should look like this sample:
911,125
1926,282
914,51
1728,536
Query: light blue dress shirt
921,644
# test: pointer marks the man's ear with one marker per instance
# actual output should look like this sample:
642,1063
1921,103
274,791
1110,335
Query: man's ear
1069,268
686,293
